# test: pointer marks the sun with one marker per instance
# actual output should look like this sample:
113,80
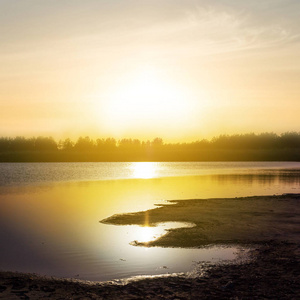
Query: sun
148,96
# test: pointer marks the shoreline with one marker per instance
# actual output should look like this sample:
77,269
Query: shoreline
273,272
242,220
268,223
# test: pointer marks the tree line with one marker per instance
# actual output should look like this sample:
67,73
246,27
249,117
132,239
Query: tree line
86,144
264,146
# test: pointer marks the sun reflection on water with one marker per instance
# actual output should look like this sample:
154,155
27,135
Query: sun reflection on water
144,170
146,234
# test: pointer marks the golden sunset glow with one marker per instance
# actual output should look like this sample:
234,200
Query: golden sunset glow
184,71
145,96
149,148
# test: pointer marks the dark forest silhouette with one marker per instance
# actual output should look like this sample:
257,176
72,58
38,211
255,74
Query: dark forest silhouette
238,147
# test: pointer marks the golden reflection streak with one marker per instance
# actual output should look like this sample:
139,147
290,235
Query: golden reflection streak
144,170
146,234
146,219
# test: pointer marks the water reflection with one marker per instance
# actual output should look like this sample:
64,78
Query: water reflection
264,179
55,230
12,174
144,169
146,233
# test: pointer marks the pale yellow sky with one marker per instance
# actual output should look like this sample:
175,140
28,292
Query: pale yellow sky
180,70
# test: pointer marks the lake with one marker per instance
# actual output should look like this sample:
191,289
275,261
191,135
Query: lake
50,213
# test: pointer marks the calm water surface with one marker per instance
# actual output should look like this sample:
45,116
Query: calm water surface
50,213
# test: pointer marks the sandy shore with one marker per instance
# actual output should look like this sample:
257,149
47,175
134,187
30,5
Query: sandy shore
269,223
245,220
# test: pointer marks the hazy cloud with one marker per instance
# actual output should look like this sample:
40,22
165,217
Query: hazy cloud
208,31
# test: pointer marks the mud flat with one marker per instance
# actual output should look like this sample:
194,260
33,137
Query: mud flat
245,220
269,224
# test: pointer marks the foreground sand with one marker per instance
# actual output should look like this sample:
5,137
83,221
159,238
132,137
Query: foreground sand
270,224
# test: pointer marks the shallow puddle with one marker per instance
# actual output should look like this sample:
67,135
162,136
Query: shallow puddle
130,261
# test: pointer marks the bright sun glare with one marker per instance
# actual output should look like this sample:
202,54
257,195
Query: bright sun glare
145,234
146,97
144,169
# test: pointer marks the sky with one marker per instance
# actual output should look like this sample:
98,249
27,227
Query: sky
179,70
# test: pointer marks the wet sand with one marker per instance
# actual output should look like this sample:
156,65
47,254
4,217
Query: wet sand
244,220
269,224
